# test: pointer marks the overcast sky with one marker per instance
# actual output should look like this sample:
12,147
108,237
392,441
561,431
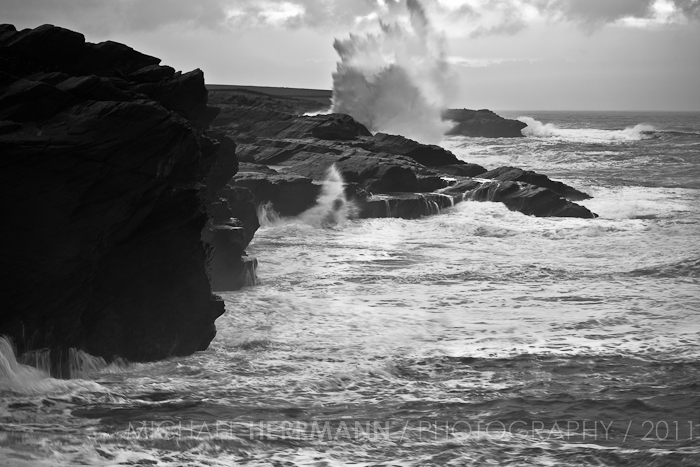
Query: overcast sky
509,54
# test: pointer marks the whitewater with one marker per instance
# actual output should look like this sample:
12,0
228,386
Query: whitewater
477,336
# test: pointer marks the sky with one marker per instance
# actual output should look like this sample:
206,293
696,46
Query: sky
506,54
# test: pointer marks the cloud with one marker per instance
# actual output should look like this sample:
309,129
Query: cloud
601,11
475,18
461,17
597,13
105,16
690,8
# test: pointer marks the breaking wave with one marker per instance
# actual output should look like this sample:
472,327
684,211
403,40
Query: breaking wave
537,129
397,81
332,207
18,378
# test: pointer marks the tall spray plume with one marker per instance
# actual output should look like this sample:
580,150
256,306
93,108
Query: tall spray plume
397,81
332,207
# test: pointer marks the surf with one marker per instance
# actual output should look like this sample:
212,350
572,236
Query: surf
333,209
538,129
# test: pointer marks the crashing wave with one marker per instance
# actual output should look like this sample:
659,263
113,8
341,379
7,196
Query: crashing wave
397,81
332,207
537,129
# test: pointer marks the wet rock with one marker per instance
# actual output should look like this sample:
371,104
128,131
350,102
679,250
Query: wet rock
428,155
482,123
533,178
258,168
289,194
277,151
378,173
517,196
265,117
403,205
463,170
272,135
247,110
334,127
230,268
427,183
375,171
238,203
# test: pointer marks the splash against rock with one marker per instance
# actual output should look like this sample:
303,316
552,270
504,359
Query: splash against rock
397,81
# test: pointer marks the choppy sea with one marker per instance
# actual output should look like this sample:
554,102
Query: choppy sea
478,336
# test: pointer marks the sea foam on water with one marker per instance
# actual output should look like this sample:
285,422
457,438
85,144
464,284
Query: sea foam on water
537,129
18,378
396,81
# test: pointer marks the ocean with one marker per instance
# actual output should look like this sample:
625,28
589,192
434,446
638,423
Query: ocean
477,336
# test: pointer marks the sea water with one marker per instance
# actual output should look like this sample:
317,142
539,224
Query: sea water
477,336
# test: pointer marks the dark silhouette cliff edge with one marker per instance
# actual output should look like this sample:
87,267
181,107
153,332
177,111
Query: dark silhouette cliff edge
110,201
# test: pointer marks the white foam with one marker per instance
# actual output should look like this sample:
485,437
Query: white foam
14,376
327,111
267,216
23,379
396,81
332,208
537,129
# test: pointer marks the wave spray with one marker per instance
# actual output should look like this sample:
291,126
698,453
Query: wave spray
397,81
332,207
537,129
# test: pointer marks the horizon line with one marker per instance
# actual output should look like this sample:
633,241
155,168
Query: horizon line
330,91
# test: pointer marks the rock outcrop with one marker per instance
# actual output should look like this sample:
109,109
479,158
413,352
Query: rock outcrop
519,175
109,182
522,197
287,156
483,123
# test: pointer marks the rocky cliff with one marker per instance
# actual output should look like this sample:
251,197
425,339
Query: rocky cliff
286,155
109,185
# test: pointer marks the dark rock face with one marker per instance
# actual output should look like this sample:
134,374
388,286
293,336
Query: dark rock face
428,155
264,116
378,173
290,194
106,183
519,175
522,197
404,205
483,123
463,170
339,127
287,156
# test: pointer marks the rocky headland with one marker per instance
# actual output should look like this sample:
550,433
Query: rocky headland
121,212
285,155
